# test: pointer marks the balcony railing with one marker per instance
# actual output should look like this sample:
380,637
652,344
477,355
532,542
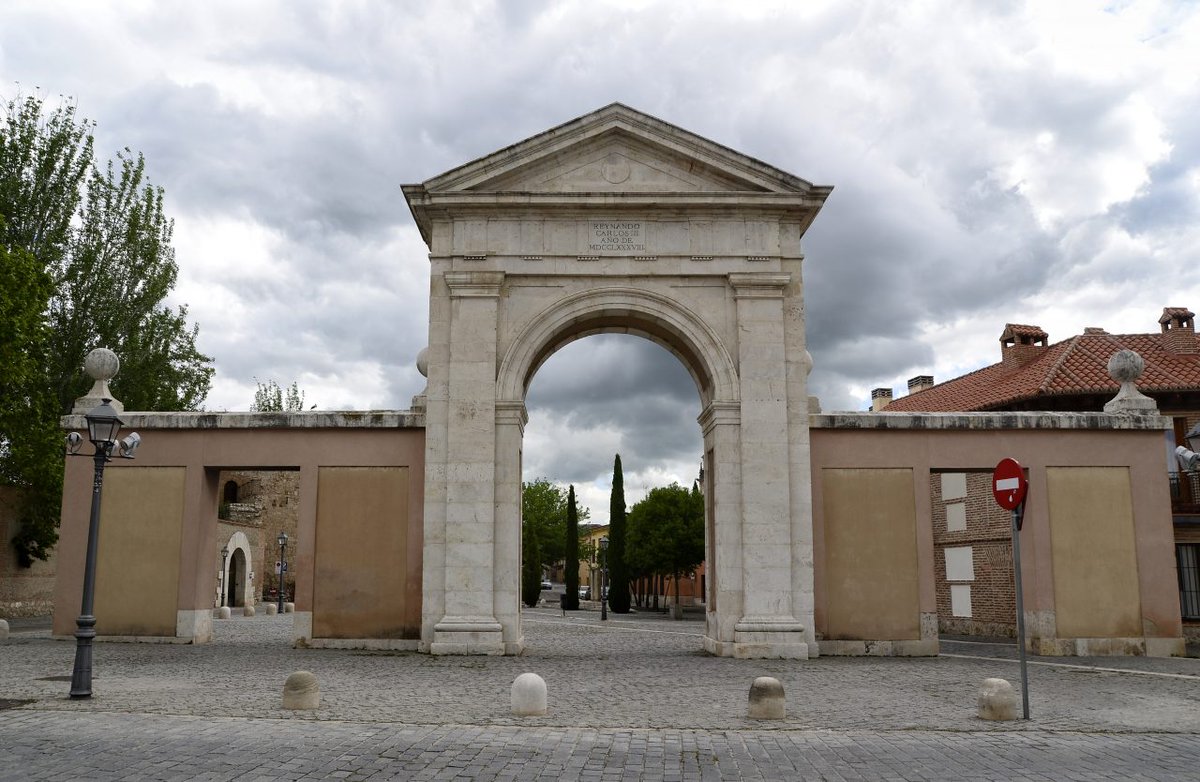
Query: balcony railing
1185,492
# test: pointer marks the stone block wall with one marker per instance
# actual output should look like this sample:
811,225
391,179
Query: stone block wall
967,521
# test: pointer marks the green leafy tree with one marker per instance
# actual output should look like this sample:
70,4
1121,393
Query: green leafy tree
101,237
270,398
30,440
544,505
666,533
572,554
618,570
531,565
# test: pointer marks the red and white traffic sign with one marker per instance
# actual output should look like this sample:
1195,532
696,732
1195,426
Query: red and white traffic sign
1009,484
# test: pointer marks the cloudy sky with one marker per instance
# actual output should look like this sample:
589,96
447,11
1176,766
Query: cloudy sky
992,162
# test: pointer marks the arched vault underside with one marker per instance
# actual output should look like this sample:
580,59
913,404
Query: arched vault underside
618,222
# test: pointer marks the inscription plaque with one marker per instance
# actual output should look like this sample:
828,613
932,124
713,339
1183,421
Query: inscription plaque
611,237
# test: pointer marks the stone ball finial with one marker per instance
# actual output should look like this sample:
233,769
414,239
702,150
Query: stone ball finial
102,364
423,362
1125,366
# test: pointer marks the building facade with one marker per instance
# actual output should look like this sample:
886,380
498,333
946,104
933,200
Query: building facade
1072,375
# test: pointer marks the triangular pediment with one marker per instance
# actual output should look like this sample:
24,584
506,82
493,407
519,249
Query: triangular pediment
616,149
618,161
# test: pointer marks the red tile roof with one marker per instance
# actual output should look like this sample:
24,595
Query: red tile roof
1075,366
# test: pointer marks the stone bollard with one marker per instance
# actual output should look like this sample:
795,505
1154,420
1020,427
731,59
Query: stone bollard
997,700
248,611
3,629
766,699
289,608
224,612
272,609
300,691
529,695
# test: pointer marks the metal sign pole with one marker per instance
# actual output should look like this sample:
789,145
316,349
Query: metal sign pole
1016,547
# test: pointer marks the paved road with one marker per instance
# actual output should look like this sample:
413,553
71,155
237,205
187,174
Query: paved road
632,698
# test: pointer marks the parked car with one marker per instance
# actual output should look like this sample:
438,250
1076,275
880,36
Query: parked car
585,593
546,584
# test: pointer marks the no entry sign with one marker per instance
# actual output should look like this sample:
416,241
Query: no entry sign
1009,484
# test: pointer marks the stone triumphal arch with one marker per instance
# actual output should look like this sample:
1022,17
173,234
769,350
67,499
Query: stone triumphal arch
618,222
826,533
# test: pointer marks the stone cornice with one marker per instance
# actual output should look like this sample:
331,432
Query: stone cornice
512,412
986,421
428,207
474,284
323,419
758,285
719,414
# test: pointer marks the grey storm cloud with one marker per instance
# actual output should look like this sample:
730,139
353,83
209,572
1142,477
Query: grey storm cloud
283,131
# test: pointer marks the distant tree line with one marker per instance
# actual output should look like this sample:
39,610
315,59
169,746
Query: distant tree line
660,537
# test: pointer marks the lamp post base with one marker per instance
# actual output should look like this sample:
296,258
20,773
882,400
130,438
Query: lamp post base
81,676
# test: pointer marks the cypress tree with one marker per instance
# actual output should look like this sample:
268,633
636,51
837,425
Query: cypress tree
572,559
531,566
618,572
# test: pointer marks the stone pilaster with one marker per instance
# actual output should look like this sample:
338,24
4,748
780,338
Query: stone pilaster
720,423
511,418
767,627
469,624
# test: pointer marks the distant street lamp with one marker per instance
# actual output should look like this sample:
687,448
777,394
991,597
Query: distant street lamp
224,556
103,425
283,539
603,579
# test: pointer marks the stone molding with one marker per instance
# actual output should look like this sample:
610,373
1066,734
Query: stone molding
474,284
324,419
1004,420
719,414
529,345
758,285
512,412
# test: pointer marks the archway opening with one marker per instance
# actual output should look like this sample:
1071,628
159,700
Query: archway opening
594,395
248,555
236,591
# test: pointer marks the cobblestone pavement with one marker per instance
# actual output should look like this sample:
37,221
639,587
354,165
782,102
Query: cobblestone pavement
631,698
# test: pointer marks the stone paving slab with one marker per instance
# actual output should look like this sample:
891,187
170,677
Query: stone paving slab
64,745
631,698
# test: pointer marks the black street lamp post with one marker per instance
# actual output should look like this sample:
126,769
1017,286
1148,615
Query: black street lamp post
282,539
224,573
103,425
603,579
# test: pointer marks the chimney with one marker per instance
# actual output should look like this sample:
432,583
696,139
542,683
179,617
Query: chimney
1021,344
1178,330
880,398
920,383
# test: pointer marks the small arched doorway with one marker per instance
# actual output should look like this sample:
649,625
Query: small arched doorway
237,571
